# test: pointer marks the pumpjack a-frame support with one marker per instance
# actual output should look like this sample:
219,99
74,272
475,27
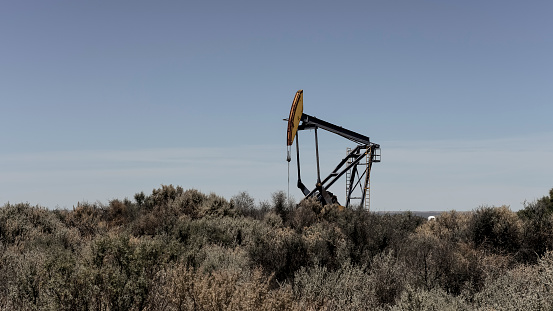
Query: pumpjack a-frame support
365,149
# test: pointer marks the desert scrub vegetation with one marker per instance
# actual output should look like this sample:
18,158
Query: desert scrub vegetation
177,249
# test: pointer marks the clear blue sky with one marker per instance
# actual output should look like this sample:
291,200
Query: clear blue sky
103,99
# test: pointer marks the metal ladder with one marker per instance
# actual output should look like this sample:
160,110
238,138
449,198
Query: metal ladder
368,185
348,172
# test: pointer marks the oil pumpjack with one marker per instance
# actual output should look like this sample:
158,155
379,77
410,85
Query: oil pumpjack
357,171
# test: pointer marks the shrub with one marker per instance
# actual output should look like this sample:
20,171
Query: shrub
427,258
440,263
215,205
166,205
327,246
68,283
223,231
21,222
496,228
214,258
87,219
522,288
540,208
429,300
120,213
140,198
449,226
362,231
181,288
370,234
245,208
388,276
124,268
273,220
32,226
26,286
244,204
152,223
461,269
163,196
189,202
537,238
347,288
279,251
282,205
305,214
181,250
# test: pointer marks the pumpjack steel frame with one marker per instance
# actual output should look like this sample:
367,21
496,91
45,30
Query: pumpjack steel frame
365,149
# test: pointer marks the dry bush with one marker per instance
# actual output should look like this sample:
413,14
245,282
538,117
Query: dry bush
280,205
175,202
117,277
165,206
68,282
539,208
370,234
25,283
161,197
189,202
363,232
22,222
215,205
346,288
463,272
326,245
35,227
124,267
522,288
497,229
273,220
87,219
388,276
429,300
151,223
443,252
225,231
243,202
119,213
39,262
181,288
245,206
306,214
454,267
183,250
427,258
280,251
43,279
537,220
6,274
214,258
169,203
450,226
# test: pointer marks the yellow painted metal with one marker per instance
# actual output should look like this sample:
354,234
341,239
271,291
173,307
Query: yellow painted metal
295,116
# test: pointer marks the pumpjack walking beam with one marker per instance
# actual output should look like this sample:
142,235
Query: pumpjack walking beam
365,149
310,122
